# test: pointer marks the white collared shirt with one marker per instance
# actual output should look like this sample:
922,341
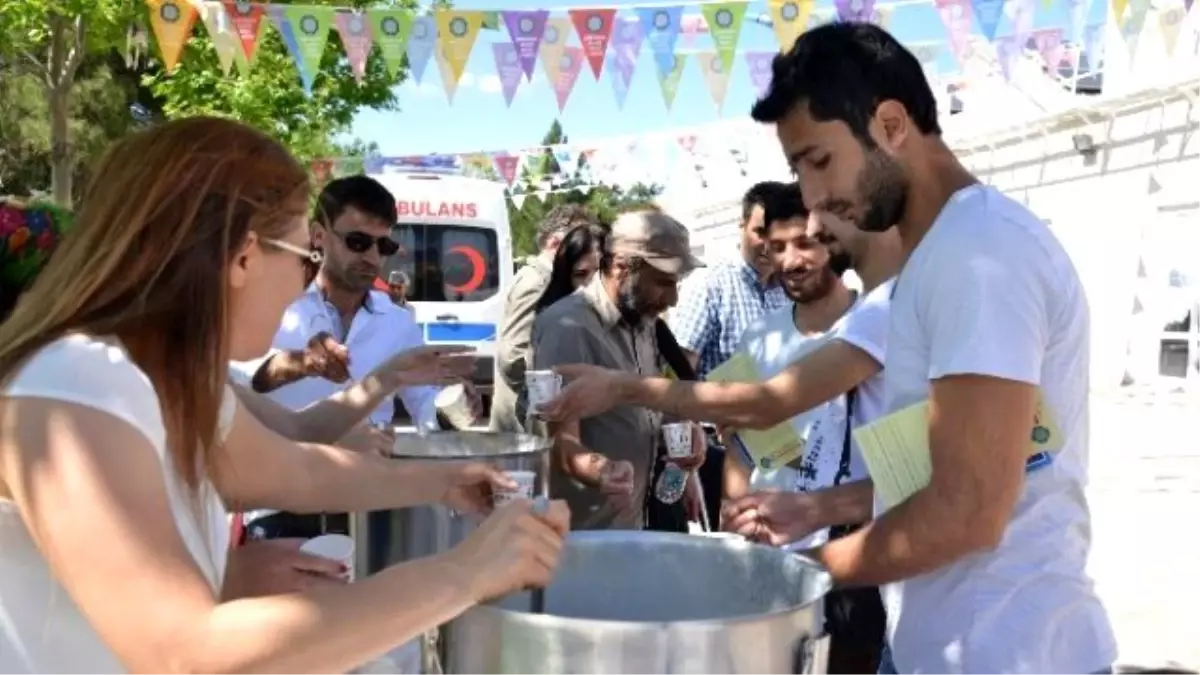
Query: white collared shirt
378,331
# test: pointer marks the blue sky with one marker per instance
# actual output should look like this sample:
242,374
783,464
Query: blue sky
478,119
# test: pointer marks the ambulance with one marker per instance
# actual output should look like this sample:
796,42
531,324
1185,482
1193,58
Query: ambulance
456,249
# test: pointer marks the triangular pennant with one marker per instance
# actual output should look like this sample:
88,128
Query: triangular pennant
1187,5
956,17
422,43
1077,11
171,21
246,18
449,79
554,41
627,39
620,72
660,26
1008,50
221,32
525,29
355,32
506,164
790,18
518,199
1118,10
716,76
1049,43
1135,21
508,69
390,28
855,10
283,25
759,65
690,26
1170,21
595,27
310,27
725,25
988,13
457,31
669,81
569,64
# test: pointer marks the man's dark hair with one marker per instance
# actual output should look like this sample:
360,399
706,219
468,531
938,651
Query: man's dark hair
784,205
843,71
758,195
561,219
362,192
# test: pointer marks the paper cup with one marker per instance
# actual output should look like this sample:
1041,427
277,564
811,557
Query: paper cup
541,386
453,402
337,547
678,437
525,481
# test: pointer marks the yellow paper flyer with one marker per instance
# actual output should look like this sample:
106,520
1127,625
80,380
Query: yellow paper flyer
769,448
896,448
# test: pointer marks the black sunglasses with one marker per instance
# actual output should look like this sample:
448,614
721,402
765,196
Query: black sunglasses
360,242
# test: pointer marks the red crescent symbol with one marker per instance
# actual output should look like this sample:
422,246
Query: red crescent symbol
478,269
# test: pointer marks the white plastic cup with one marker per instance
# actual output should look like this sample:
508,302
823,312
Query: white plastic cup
337,547
678,437
541,386
525,481
453,402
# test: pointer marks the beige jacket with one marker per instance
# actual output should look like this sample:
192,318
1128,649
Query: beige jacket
512,345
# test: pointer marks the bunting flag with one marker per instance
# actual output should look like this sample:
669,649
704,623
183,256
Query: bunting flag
279,18
1134,22
172,22
1093,45
1187,5
1049,43
627,40
246,18
525,29
506,164
1008,50
988,13
620,72
668,80
1118,10
716,76
554,41
222,34
1021,13
857,10
508,69
355,32
422,43
690,26
310,27
660,26
956,16
391,28
1170,20
725,25
759,65
595,27
449,79
790,18
569,64
457,31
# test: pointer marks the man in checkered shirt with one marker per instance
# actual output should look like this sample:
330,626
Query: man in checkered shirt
714,311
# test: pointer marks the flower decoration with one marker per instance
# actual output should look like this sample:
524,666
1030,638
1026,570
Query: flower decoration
29,233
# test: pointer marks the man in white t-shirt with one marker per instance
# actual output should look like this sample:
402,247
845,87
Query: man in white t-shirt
984,568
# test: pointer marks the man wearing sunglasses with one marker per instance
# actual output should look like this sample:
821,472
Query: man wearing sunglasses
341,329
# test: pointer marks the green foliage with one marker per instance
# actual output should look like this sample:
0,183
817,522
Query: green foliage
271,97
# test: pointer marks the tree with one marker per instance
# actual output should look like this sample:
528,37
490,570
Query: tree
50,40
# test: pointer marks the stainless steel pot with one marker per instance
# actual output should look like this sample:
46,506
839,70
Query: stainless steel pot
652,602
384,538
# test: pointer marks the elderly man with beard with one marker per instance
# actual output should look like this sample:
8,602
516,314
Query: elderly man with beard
601,466
984,567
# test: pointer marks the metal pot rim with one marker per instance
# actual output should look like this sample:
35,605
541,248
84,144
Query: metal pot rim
534,445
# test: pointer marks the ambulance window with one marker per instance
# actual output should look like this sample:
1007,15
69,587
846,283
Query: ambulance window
447,263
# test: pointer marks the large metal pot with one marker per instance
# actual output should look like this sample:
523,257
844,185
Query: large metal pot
652,602
384,538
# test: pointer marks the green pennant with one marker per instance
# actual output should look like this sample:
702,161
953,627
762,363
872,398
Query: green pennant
390,28
310,29
725,26
669,81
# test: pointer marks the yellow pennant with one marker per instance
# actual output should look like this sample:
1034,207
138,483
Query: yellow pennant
449,79
716,76
172,22
220,31
1170,20
1118,10
790,18
457,31
554,41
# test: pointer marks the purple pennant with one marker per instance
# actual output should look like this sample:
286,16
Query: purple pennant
526,29
855,10
1008,50
1187,5
508,69
627,39
759,64
620,71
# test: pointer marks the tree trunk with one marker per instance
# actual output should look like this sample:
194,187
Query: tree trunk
62,165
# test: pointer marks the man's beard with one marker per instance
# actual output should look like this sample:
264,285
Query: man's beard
819,288
884,188
632,308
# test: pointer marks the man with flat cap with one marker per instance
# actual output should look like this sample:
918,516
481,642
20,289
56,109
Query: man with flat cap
601,465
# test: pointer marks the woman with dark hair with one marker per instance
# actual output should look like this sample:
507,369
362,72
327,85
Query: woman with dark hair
576,261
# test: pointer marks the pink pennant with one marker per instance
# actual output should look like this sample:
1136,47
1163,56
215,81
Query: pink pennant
690,26
506,165
956,16
1049,42
508,69
595,27
759,64
355,31
569,66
